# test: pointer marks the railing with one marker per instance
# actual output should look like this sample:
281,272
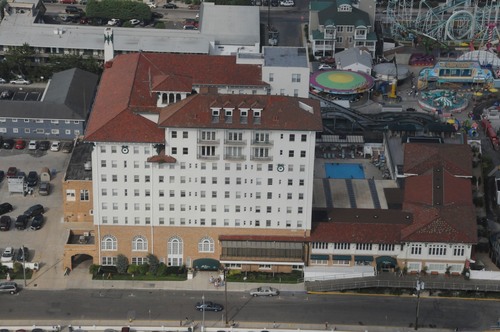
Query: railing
343,284
214,157
232,157
208,141
258,142
233,142
268,158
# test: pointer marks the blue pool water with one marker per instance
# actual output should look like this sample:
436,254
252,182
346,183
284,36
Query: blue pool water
344,171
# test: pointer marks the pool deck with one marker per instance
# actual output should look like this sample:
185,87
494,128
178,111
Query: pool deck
334,193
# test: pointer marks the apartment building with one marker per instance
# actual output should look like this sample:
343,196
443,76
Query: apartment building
192,159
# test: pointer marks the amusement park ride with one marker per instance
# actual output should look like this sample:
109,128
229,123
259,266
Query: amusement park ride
456,23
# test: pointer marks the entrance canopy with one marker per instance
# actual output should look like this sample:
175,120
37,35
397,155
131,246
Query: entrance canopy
206,264
386,261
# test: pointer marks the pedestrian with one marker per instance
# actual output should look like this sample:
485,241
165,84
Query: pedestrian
326,325
187,320
274,324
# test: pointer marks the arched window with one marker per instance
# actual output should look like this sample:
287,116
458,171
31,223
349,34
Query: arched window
139,243
109,243
206,244
175,251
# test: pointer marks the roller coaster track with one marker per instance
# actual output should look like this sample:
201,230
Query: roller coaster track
376,121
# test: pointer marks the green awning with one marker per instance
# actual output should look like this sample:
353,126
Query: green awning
363,258
319,257
342,257
206,264
386,260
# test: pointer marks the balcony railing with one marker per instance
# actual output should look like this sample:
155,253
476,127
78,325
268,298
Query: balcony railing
208,141
259,142
268,158
233,142
233,157
205,157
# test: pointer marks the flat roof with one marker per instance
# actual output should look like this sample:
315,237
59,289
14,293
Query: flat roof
285,57
81,153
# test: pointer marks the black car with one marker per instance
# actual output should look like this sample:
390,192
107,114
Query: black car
156,15
32,179
8,144
5,223
5,207
37,222
34,210
44,145
170,5
208,306
21,222
6,94
23,254
73,10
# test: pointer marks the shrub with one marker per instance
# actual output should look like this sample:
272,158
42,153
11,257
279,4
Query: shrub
133,269
143,269
154,263
93,269
18,267
121,264
162,270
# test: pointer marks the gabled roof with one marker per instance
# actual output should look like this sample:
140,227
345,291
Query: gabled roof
419,158
328,14
129,84
352,56
68,96
278,112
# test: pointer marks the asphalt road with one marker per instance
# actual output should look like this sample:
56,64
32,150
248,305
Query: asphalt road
67,307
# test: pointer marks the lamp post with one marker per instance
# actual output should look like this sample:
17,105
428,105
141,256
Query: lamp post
203,319
24,265
225,297
420,287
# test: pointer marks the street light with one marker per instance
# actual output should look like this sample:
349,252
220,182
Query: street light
24,265
203,306
225,293
420,287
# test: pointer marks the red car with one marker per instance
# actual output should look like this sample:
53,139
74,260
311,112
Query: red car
12,171
69,2
20,144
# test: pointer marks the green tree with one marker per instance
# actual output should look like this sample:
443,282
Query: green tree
20,58
121,264
121,9
154,263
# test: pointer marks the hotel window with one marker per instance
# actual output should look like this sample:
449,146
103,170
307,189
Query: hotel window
104,192
302,154
84,195
70,195
114,178
103,163
271,77
206,244
386,247
458,250
109,243
320,245
184,134
342,246
416,249
437,250
103,178
363,246
136,178
296,78
174,150
173,134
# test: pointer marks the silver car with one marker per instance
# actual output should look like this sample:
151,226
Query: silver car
264,291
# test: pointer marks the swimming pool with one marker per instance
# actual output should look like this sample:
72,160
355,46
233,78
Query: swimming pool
344,171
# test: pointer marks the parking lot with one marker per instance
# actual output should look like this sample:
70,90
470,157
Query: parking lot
46,245
20,93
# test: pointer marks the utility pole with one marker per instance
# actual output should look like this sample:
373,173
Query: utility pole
225,294
420,287
24,265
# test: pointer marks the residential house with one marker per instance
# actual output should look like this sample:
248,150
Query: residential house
355,59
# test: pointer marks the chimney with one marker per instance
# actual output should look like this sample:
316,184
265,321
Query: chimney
109,49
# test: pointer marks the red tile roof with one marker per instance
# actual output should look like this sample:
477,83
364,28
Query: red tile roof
129,82
278,112
264,238
419,158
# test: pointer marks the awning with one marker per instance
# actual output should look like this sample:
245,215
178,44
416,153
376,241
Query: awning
386,260
341,257
363,258
319,257
206,264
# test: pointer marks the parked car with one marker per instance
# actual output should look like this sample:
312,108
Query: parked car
5,208
20,81
55,146
114,21
8,144
2,81
7,255
12,171
69,2
170,5
2,175
34,210
8,287
152,5
32,179
6,94
73,10
23,254
5,222
134,21
44,145
287,3
67,147
44,189
275,3
324,66
32,145
20,144
189,27
21,222
264,291
156,15
37,222
208,306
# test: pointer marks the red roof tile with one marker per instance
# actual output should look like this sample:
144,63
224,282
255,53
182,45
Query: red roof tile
278,112
129,82
419,158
